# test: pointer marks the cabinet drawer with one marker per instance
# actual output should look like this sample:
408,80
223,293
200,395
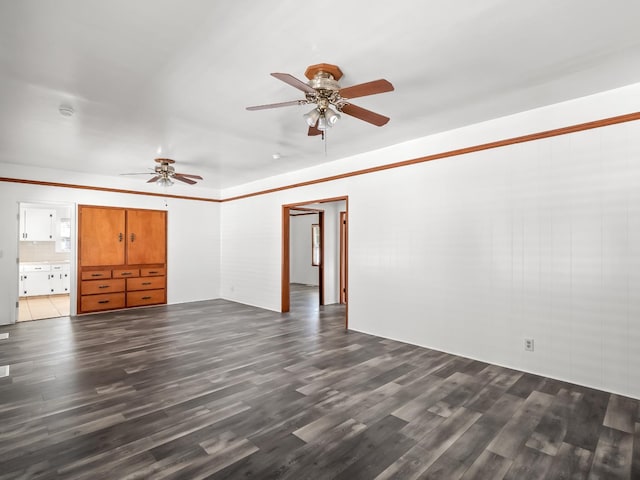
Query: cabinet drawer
148,297
95,274
35,268
145,283
130,272
90,287
61,267
107,301
152,272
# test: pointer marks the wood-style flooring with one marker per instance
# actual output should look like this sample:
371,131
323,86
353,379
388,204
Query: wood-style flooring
221,390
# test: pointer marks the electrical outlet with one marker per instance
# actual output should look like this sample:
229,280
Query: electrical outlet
528,344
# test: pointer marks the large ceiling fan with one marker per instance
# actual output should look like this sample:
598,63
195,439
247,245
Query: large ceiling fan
324,91
165,174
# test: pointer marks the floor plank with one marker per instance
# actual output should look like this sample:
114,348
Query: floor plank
221,390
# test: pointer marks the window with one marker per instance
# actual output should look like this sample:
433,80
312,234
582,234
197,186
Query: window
315,245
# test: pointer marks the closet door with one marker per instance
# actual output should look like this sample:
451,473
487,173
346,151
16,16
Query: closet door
146,237
101,236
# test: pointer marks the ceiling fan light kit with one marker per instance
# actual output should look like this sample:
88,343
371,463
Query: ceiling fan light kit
164,182
325,92
165,174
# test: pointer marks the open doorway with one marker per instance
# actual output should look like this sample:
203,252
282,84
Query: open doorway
44,261
314,255
306,286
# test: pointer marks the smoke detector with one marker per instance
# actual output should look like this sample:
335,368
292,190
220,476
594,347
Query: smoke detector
66,110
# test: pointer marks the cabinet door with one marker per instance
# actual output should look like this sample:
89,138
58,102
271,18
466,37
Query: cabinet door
146,236
101,236
37,224
60,282
37,283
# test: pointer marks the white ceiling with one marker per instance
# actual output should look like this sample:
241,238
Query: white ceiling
178,74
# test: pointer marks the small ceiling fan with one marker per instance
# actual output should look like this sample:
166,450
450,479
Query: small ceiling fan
165,174
324,91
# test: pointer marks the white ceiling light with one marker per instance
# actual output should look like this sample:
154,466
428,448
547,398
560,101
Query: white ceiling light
312,117
331,116
164,182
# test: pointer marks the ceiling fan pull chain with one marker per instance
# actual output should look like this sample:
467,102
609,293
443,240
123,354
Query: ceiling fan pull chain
324,140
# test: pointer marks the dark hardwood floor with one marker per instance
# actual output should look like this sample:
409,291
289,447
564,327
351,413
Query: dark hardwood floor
221,390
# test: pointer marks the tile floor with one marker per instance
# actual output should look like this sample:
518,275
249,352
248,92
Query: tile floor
50,306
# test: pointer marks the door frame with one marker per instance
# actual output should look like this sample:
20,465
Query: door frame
343,257
286,243
320,213
73,251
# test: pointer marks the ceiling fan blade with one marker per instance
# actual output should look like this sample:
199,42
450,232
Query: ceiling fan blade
197,177
364,89
154,179
364,114
313,131
276,105
183,179
294,82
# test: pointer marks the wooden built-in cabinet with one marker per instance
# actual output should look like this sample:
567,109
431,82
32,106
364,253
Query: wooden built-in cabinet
122,258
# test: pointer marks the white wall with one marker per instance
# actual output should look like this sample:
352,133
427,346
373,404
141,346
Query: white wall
193,239
473,253
301,270
332,250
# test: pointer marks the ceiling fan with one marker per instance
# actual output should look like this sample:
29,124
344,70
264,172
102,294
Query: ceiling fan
324,91
165,174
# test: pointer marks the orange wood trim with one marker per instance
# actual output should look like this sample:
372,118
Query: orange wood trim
295,206
346,265
630,117
321,266
286,232
284,301
453,153
104,189
343,257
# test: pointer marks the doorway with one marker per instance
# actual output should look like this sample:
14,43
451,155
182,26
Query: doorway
306,258
44,261
332,267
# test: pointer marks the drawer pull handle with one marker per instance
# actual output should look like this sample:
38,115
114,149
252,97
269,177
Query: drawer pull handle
146,283
103,301
152,273
125,273
146,298
103,286
96,274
